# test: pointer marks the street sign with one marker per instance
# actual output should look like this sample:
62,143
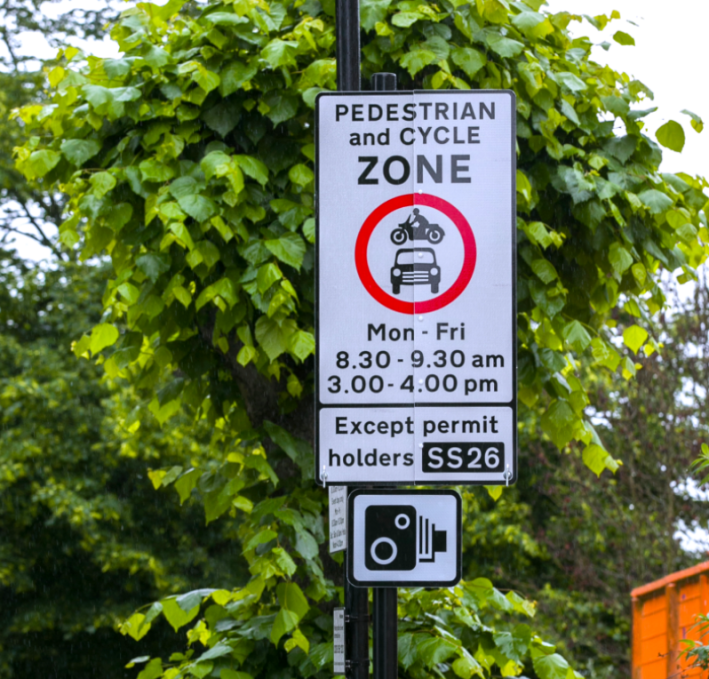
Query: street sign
338,641
416,366
338,518
404,538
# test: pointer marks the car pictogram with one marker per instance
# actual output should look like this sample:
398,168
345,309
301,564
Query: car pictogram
415,266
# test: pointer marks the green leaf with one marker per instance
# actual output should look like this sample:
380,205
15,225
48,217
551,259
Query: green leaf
222,118
274,336
514,644
102,336
291,598
620,259
309,230
697,123
533,24
153,265
616,105
234,75
215,163
152,670
505,47
254,168
200,208
373,12
216,651
267,275
466,666
102,183
119,216
570,81
577,336
225,19
495,492
436,650
545,270
280,53
623,38
299,451
285,622
301,344
417,59
41,162
469,59
289,248
558,423
301,174
671,136
191,599
605,354
175,615
155,171
656,201
551,667
594,457
634,337
78,151
207,80
306,545
281,106
406,19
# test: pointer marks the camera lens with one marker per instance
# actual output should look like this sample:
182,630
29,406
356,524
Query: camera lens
376,557
402,521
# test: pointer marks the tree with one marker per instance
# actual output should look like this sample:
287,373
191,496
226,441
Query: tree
579,544
189,161
84,542
23,209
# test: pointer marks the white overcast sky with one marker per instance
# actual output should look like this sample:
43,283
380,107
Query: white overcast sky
669,57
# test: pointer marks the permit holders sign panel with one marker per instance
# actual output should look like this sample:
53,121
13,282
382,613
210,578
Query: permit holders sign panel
404,538
416,363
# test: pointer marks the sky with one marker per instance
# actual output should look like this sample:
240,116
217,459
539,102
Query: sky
668,57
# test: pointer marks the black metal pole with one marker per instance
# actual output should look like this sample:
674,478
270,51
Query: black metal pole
385,618
348,80
347,46
384,81
385,633
357,610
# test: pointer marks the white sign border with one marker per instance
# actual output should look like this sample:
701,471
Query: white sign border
323,480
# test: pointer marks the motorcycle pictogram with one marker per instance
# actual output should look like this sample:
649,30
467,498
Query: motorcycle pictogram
417,227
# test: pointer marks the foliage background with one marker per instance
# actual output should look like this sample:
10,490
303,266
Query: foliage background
188,162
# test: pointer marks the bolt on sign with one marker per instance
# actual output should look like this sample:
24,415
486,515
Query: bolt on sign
416,363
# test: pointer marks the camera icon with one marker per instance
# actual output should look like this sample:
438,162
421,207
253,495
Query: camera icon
397,538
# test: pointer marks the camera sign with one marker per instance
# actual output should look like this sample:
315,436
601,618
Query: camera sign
402,538
416,311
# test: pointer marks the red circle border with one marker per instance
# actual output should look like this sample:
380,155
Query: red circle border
409,200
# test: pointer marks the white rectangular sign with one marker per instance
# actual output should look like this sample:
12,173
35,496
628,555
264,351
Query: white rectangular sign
402,538
338,518
416,287
338,641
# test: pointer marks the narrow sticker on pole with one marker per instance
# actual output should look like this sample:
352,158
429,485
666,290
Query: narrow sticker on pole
416,300
338,518
338,640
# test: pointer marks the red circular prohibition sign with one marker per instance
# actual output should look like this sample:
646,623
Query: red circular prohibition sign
409,200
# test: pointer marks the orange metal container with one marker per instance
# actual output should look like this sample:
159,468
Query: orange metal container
663,614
